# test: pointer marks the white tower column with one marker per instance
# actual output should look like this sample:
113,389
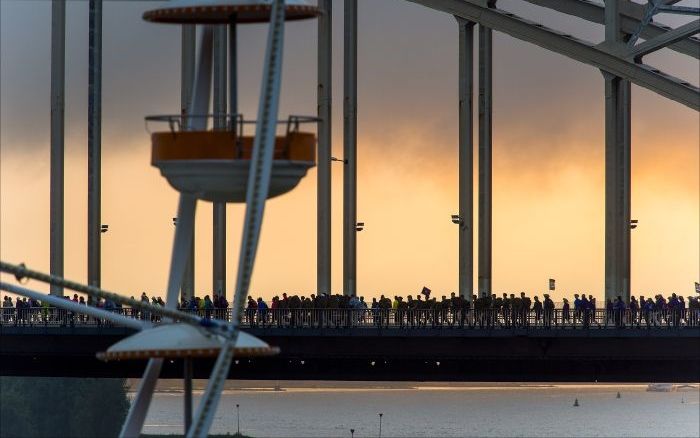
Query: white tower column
350,150
323,199
485,139
188,48
94,223
466,158
58,66
617,168
219,212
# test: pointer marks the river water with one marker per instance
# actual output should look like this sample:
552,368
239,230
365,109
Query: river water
445,410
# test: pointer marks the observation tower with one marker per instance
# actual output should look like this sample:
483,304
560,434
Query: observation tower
221,165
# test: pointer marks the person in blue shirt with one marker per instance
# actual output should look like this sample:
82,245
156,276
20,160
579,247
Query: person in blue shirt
262,311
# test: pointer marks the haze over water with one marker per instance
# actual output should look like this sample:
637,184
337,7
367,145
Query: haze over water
449,410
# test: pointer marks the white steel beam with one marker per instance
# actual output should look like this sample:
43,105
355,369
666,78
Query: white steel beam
682,10
466,158
485,159
324,98
58,67
219,208
187,61
617,167
350,150
665,39
582,51
94,144
631,16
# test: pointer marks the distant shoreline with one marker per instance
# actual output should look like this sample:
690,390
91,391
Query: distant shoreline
175,386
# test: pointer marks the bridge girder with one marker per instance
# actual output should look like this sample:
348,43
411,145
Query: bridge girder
579,50
665,39
631,16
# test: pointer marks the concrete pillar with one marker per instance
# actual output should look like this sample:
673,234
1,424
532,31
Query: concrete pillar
58,66
324,96
350,149
188,49
94,221
219,213
617,168
485,139
466,158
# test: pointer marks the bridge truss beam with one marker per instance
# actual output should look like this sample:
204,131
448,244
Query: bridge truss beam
630,20
582,51
665,39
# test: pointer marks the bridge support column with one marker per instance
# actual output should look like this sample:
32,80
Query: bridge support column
617,168
188,48
617,187
485,139
219,211
94,224
350,150
58,67
323,184
466,158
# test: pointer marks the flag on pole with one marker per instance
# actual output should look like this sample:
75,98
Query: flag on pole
551,284
697,287
425,292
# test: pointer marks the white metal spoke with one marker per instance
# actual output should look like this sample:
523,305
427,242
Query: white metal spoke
258,185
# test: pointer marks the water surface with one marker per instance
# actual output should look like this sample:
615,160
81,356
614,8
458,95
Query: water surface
445,411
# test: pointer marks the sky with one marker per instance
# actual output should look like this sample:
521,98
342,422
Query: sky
548,157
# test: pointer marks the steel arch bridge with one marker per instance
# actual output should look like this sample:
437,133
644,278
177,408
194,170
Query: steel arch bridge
620,59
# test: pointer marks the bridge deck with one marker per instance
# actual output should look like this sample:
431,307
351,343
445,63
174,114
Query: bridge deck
426,354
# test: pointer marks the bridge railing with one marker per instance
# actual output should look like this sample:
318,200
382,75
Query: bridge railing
385,318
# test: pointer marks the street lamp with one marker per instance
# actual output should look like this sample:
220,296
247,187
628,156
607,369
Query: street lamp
633,224
359,226
344,161
104,228
380,424
352,433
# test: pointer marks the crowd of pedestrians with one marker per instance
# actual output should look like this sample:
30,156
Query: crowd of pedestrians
334,310
509,310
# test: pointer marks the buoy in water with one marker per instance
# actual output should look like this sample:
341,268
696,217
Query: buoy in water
618,395
576,402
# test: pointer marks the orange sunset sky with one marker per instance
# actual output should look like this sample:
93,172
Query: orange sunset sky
548,217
